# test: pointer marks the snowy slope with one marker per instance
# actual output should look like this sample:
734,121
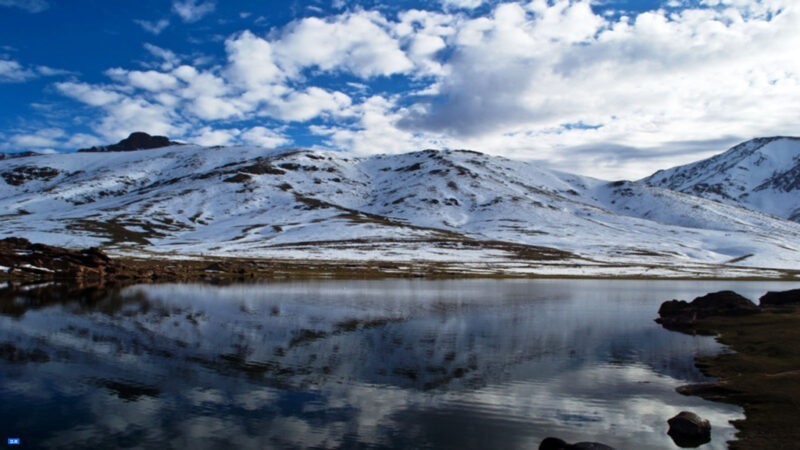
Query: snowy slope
762,174
455,206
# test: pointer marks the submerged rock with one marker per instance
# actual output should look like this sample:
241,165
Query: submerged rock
678,313
552,443
781,298
689,430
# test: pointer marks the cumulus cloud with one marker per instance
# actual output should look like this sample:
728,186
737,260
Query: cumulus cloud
310,103
210,136
31,6
263,137
424,35
375,130
520,80
541,79
251,61
358,43
192,10
89,94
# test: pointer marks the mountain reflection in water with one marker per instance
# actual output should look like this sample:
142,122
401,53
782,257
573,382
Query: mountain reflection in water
326,364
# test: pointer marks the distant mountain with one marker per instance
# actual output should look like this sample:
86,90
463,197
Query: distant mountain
762,174
454,207
17,155
136,141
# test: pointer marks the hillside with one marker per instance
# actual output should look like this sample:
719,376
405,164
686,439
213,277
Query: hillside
454,207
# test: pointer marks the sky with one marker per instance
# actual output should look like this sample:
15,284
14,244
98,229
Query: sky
606,88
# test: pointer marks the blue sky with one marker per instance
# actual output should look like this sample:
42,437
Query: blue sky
605,88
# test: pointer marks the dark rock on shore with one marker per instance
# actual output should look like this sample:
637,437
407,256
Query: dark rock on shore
552,443
678,313
782,298
136,141
23,259
688,430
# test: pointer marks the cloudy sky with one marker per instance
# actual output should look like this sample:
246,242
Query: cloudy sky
609,88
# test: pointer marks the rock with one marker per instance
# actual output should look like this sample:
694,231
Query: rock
678,313
28,260
781,298
136,141
688,430
552,443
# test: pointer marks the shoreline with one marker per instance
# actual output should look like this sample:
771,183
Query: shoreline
21,259
761,374
194,269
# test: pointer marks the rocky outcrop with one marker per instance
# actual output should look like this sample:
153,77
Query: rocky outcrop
781,298
688,430
20,258
552,443
21,174
678,313
136,141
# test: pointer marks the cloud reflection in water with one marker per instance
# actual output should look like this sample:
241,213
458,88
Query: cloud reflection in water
393,363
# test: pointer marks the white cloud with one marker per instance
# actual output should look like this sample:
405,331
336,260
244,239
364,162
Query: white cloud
263,137
13,72
308,104
425,35
44,138
121,113
192,10
209,136
155,27
516,78
375,131
250,61
207,94
32,6
82,140
89,94
168,58
542,79
51,72
358,43
464,4
135,114
149,80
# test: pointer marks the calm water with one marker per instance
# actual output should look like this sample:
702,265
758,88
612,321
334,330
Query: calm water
351,364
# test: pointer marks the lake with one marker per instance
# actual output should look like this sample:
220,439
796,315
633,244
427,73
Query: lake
352,364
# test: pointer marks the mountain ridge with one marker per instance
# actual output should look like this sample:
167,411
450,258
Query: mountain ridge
760,174
449,206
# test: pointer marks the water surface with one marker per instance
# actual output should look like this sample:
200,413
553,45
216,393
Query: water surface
351,364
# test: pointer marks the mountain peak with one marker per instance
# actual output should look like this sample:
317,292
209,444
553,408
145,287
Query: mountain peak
137,140
761,174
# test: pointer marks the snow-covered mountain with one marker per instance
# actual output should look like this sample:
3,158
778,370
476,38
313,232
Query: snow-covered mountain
449,206
762,174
